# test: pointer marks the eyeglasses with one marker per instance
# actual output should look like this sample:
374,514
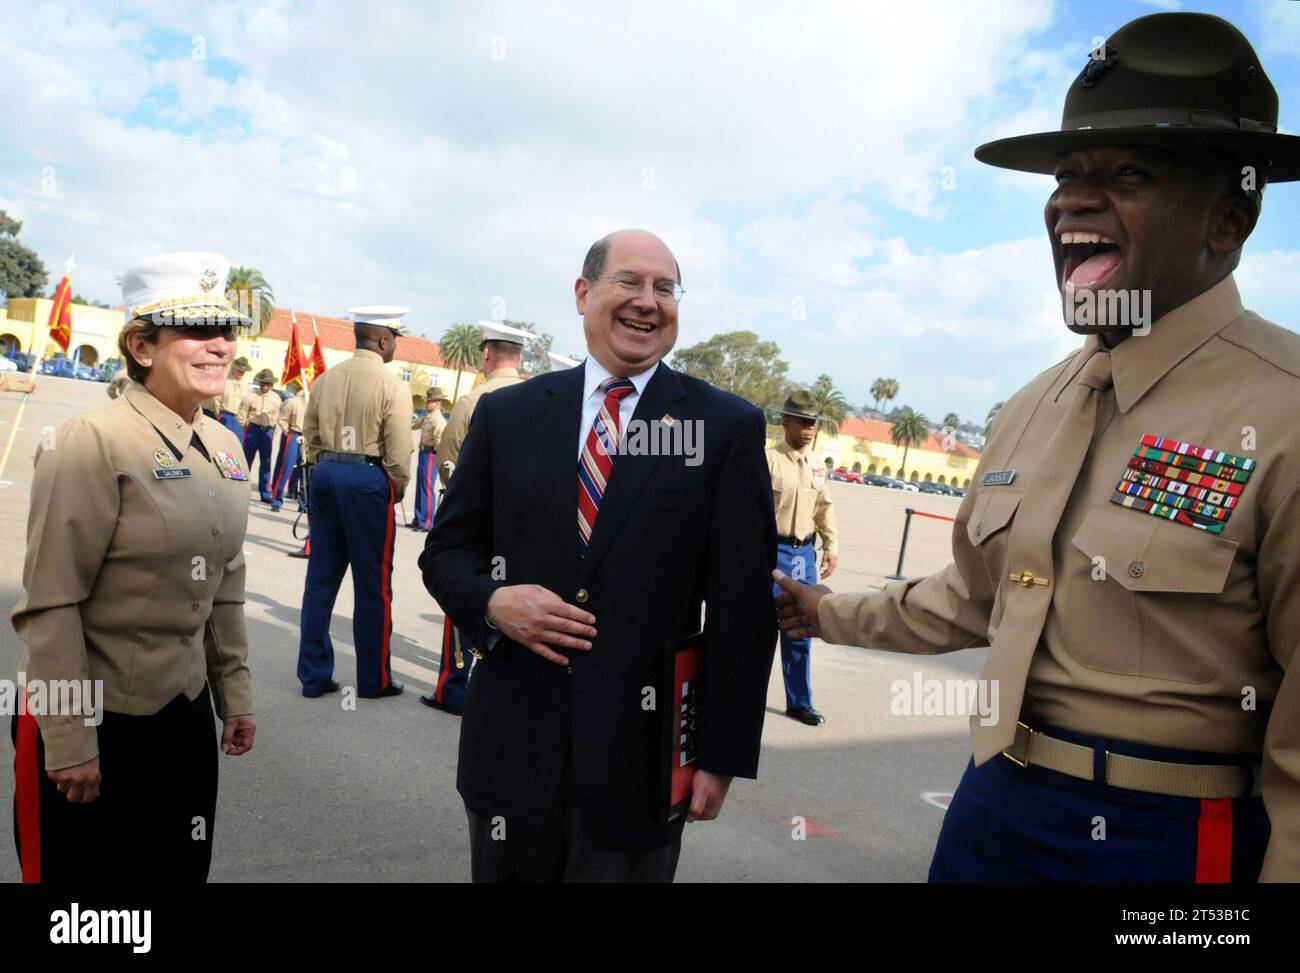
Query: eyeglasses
205,332
667,292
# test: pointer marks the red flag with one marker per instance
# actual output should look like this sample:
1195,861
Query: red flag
315,363
61,314
293,357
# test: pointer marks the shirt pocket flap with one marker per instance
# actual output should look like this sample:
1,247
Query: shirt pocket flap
1144,553
993,510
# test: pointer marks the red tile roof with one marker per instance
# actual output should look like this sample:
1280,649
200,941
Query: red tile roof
337,333
879,430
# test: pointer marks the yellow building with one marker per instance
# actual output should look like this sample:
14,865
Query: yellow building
864,446
418,361
94,329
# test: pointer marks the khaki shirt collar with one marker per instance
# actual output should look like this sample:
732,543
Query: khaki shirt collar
177,431
1140,361
367,353
502,373
798,455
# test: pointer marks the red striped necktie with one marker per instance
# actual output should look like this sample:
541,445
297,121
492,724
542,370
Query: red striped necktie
597,458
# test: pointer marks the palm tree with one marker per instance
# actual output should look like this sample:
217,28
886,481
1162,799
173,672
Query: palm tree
950,421
251,291
908,430
831,406
988,423
878,389
459,350
890,390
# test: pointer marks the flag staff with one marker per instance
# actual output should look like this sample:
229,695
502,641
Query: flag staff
41,341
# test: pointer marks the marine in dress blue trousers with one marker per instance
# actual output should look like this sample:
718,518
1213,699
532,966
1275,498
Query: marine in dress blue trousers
800,563
426,489
257,442
286,463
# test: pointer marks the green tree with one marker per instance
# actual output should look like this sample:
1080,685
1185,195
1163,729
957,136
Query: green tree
988,423
22,274
536,359
878,389
950,421
249,291
908,429
459,350
890,390
831,405
737,362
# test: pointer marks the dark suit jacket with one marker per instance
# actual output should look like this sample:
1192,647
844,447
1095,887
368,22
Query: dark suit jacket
668,538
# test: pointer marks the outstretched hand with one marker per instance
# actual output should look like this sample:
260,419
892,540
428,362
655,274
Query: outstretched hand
796,606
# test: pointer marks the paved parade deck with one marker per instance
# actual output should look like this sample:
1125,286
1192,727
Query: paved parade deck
369,795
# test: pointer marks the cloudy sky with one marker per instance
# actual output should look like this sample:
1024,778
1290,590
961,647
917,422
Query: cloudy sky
808,162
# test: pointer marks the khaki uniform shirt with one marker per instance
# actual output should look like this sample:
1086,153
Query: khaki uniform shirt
229,400
1157,632
259,408
800,495
130,578
453,437
359,406
292,412
431,428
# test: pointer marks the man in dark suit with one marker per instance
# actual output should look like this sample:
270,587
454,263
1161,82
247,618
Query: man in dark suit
572,564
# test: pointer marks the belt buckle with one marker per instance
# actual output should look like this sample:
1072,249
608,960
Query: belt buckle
1029,730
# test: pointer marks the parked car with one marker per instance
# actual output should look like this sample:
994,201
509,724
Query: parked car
59,367
903,485
21,359
931,488
845,476
871,479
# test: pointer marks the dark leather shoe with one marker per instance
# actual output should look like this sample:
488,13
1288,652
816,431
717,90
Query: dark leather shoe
808,716
430,700
330,687
394,689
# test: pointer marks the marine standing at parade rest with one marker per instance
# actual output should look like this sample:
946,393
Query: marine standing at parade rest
134,581
358,439
503,352
431,427
258,414
292,411
803,511
1129,549
226,405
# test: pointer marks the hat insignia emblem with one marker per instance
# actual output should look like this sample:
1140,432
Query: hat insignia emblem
1101,60
208,280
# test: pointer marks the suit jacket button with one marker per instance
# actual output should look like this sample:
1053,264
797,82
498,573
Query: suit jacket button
582,596
1136,569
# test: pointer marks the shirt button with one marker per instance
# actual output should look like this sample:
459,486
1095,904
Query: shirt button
215,532
185,640
194,606
582,596
1136,569
212,493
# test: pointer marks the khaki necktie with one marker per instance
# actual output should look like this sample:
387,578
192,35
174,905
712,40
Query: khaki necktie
1029,557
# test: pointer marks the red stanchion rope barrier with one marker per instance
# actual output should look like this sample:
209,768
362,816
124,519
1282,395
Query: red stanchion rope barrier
922,513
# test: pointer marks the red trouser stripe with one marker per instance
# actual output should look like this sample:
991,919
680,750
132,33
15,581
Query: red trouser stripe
283,472
387,576
1214,841
27,794
428,492
448,636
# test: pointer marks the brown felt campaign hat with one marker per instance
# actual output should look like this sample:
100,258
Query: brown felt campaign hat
801,405
1169,80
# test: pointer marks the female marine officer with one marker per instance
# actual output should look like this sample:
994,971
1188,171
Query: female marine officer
133,603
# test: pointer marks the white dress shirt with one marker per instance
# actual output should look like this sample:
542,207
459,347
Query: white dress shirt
593,398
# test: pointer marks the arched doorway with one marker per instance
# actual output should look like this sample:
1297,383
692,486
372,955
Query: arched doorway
885,471
916,477
871,470
830,464
9,343
942,481
929,478
966,485
87,355
857,467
